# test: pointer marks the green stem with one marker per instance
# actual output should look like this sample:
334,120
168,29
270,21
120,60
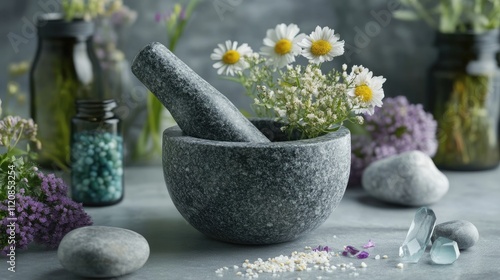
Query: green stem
423,13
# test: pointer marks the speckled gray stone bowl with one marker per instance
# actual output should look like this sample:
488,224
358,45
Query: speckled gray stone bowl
256,193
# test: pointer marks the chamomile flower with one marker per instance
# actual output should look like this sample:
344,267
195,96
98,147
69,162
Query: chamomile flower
281,45
322,45
367,90
230,57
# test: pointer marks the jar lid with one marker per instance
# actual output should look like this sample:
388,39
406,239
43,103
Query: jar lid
53,25
95,107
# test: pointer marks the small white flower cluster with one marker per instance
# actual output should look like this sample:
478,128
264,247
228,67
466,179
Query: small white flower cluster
314,103
306,99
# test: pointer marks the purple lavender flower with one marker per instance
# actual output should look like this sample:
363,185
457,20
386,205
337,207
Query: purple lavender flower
159,17
15,128
65,214
30,216
45,217
396,127
123,16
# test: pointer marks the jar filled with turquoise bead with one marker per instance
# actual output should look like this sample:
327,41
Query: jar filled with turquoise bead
96,154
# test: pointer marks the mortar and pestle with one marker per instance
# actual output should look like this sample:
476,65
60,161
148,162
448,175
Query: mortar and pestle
234,179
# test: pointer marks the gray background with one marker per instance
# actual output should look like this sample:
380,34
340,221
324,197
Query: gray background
400,51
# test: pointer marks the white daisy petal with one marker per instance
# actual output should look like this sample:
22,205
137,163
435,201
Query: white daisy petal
221,69
215,56
218,64
222,47
269,42
228,45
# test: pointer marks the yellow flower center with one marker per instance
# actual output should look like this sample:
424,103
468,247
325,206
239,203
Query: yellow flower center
321,47
364,92
231,57
283,46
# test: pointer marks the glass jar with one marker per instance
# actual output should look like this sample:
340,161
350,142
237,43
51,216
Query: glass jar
464,97
96,154
65,68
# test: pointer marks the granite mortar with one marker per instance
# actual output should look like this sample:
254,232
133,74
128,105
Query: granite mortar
256,193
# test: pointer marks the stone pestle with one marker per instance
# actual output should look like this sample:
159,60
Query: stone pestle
199,109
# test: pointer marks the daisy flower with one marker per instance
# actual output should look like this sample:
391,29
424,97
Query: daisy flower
230,57
281,45
366,89
322,45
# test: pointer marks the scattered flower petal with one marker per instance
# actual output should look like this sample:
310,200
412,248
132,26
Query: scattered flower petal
370,244
321,248
350,251
363,255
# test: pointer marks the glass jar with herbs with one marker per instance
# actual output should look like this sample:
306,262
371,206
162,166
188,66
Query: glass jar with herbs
65,69
463,93
464,96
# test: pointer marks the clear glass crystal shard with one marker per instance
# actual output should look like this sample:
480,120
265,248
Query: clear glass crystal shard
418,235
444,251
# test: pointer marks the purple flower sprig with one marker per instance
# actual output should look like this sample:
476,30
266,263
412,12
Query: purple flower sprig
175,21
396,127
44,214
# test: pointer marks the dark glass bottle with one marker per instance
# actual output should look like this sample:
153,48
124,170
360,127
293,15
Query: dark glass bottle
96,154
65,68
464,97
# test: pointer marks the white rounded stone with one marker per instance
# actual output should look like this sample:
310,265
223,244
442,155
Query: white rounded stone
410,179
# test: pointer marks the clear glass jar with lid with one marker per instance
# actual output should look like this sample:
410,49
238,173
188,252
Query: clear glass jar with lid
96,154
65,68
464,97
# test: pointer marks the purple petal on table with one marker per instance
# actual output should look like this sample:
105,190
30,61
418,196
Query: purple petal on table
351,250
363,255
370,244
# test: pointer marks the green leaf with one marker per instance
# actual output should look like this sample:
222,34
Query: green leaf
406,15
245,113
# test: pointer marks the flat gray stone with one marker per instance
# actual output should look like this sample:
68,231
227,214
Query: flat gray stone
256,193
409,179
100,252
461,231
199,109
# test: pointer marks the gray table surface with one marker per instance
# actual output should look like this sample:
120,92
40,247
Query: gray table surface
178,251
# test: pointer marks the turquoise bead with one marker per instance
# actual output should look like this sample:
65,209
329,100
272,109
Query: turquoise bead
97,167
